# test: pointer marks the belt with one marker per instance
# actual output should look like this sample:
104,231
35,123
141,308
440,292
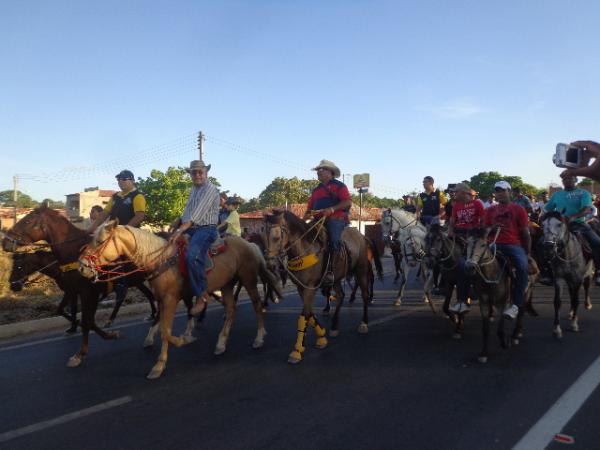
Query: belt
195,227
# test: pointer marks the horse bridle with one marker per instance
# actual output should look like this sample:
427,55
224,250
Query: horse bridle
558,240
25,280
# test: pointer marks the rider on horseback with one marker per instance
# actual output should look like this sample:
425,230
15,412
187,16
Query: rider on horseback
430,202
199,221
512,240
467,214
330,199
574,204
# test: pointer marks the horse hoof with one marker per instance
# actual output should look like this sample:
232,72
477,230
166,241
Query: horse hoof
492,319
70,331
264,310
148,343
557,334
154,373
219,350
334,333
574,328
321,343
482,359
519,335
116,335
515,341
363,328
188,338
457,336
258,344
295,357
398,303
74,361
588,306
325,312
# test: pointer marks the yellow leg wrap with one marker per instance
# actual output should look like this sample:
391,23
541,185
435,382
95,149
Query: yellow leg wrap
299,347
319,331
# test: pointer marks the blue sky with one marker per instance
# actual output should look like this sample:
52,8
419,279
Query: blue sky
397,89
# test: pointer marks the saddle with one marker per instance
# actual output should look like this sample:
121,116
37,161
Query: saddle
216,248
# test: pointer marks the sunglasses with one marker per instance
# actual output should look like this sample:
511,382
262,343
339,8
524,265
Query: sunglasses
124,179
196,172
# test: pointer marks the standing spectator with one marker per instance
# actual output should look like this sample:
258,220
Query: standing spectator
408,204
489,201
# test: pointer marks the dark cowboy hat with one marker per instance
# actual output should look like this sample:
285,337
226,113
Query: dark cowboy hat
197,164
125,175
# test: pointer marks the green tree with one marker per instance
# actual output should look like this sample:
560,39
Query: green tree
484,182
586,182
23,200
52,203
282,190
166,194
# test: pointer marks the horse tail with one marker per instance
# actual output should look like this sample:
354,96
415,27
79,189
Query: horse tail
376,258
265,274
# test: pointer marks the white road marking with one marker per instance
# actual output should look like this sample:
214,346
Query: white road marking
551,423
9,435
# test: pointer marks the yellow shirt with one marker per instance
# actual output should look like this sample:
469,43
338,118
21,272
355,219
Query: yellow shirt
139,202
233,224
442,196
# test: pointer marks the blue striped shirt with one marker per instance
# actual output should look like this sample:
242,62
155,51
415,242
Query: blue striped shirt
202,207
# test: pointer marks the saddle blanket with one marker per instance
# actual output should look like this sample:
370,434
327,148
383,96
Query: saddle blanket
216,248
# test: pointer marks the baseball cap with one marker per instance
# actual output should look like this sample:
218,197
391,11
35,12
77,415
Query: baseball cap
502,185
125,175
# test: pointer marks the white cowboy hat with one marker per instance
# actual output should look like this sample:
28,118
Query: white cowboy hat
324,164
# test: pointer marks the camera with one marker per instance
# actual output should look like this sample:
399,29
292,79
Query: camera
568,156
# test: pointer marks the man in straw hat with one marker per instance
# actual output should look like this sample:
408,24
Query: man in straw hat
199,221
330,199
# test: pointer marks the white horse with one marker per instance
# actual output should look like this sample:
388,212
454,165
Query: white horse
404,228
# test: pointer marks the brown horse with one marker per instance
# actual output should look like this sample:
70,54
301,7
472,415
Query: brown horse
65,241
241,261
305,246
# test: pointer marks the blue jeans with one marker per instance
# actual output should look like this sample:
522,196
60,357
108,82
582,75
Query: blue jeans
517,256
591,237
200,241
335,227
426,220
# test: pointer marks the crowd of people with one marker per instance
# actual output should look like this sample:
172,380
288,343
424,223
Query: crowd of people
209,214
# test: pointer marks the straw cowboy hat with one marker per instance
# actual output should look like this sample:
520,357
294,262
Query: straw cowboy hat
324,164
197,164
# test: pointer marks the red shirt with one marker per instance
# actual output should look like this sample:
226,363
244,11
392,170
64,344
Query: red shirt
323,197
467,215
511,217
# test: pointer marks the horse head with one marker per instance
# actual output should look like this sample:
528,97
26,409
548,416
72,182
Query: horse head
31,228
434,245
103,250
555,231
413,242
478,249
25,264
276,237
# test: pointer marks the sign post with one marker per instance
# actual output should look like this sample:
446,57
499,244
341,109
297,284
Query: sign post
361,182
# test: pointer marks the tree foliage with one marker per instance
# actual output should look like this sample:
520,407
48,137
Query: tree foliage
166,194
23,200
484,182
282,190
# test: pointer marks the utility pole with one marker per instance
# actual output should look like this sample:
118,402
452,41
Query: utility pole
201,145
15,197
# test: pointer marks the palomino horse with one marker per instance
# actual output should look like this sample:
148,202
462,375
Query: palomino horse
564,252
25,264
305,247
241,261
408,234
65,241
492,284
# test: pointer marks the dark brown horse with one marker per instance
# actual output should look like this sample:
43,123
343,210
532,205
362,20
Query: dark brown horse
26,264
65,241
305,247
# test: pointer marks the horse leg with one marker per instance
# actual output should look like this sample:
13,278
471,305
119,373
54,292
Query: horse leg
403,282
89,303
237,291
365,293
427,287
586,292
168,306
319,331
118,302
71,298
517,333
485,327
557,292
501,332
149,340
353,293
229,302
151,300
574,294
259,341
308,296
339,294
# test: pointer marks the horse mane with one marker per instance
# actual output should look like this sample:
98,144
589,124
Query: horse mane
148,244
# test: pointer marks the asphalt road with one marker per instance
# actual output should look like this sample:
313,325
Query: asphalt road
406,384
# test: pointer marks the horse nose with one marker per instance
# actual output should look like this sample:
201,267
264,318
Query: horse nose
16,286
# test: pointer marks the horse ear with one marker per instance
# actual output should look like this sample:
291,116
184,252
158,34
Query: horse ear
111,224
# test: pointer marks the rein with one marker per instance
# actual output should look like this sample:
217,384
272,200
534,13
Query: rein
24,280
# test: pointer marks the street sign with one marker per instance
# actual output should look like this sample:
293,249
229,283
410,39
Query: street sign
361,180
